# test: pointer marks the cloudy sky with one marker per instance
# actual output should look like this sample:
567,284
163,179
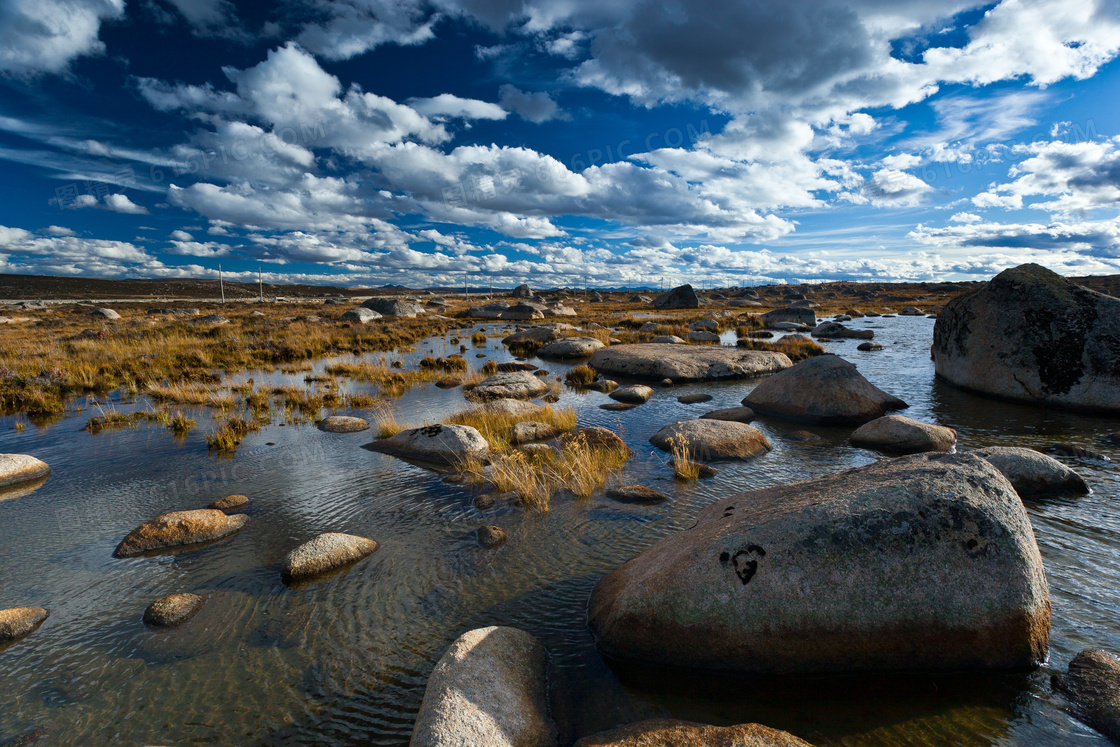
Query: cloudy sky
559,142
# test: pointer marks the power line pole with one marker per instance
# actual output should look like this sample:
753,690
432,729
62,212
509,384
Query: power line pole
221,283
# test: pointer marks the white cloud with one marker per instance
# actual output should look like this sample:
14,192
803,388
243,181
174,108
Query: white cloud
119,203
44,36
353,27
450,105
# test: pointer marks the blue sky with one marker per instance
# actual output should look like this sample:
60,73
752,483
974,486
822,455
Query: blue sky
571,142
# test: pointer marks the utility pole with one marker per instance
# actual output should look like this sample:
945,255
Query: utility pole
260,282
221,284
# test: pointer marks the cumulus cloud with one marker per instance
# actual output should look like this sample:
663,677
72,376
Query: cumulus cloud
119,203
535,107
450,105
44,36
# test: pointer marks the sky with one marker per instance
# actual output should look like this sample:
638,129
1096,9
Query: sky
602,143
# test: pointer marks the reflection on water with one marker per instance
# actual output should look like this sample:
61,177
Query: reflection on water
345,661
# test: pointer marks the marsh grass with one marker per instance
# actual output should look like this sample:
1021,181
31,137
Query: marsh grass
496,427
577,467
232,432
580,376
685,466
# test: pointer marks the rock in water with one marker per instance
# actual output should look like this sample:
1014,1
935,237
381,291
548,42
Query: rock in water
325,553
686,362
230,502
823,389
343,424
1093,684
1032,473
20,468
179,528
737,414
489,688
637,494
1031,335
514,385
446,444
570,347
635,394
713,439
903,435
681,297
833,330
172,610
667,732
925,562
17,622
491,537
597,437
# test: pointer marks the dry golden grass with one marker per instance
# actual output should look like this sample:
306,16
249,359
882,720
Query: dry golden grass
496,427
579,376
576,467
685,466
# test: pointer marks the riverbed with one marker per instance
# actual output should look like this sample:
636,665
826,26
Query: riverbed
344,661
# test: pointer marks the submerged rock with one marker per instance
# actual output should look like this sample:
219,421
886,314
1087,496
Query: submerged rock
822,389
20,468
513,385
18,622
736,414
179,528
445,444
639,494
903,435
172,610
713,439
1093,685
791,579
869,346
693,399
491,537
327,552
489,688
230,503
343,424
1031,335
1077,452
686,362
667,732
1032,473
834,331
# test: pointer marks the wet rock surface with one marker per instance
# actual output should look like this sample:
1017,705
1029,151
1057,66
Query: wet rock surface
179,529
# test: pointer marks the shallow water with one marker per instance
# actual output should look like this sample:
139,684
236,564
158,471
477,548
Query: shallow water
344,661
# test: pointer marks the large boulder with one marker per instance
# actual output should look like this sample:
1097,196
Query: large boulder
108,314
1032,473
635,394
703,337
686,362
513,385
325,553
17,622
667,732
522,291
179,528
20,468
510,408
361,315
904,435
681,297
1031,335
924,562
523,311
570,347
1093,685
794,314
394,307
489,688
713,439
822,389
444,444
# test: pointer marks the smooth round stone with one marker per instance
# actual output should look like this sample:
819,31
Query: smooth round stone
179,528
172,610
639,494
17,622
230,503
491,537
20,468
692,399
343,424
325,553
